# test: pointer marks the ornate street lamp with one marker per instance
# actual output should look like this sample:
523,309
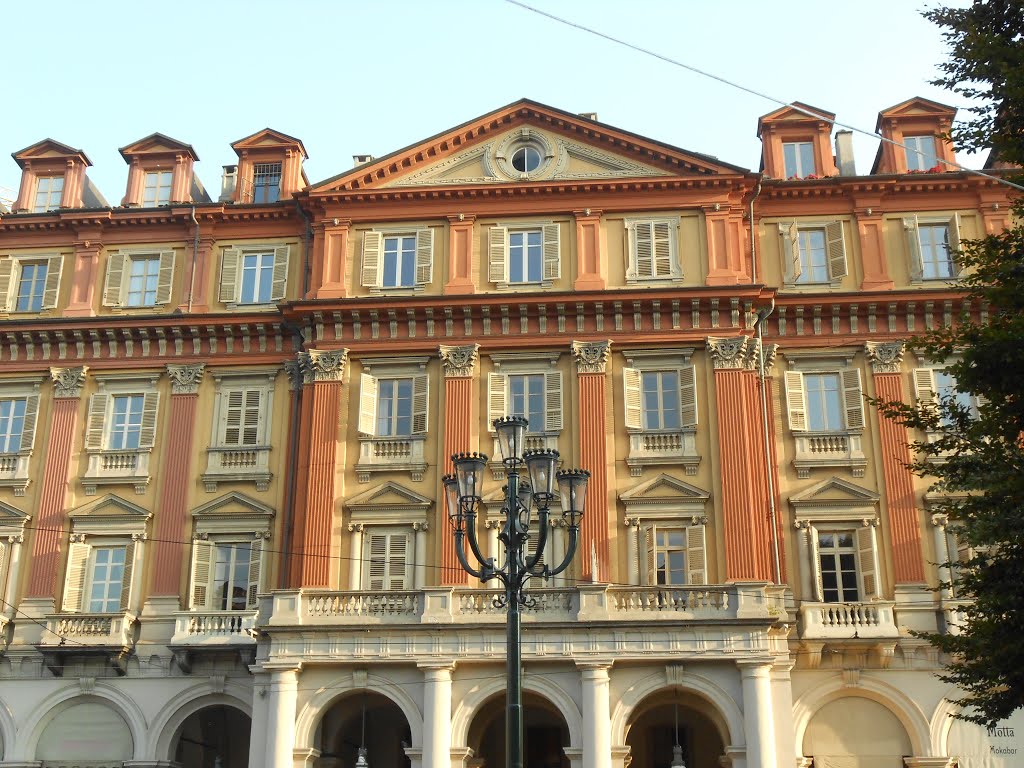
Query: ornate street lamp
463,499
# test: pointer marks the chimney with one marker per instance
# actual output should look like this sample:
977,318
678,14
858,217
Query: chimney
589,116
228,182
358,160
844,153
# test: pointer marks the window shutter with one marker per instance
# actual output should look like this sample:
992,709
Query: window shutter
662,241
371,258
819,589
255,565
165,277
688,396
497,248
852,399
253,417
836,249
367,404
954,242
632,399
74,582
3,568
795,403
279,277
397,562
424,256
913,239
643,248
95,421
202,554
497,396
867,560
420,403
229,275
650,540
6,276
377,567
150,408
28,431
126,576
553,401
696,555
924,386
232,417
52,285
114,280
552,257
791,251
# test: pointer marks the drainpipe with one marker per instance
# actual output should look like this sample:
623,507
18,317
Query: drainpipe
195,255
293,461
306,266
762,315
753,235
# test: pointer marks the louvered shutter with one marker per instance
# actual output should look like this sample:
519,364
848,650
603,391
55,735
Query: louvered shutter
852,399
835,247
791,251
531,550
95,421
954,242
815,564
114,281
74,582
552,255
229,262
372,243
51,287
367,404
6,277
126,577
696,555
376,568
650,546
497,397
795,403
4,576
165,277
420,403
497,250
643,248
232,418
28,430
202,556
242,417
688,396
661,237
255,565
150,409
279,277
633,401
553,401
867,560
397,561
912,235
924,386
424,256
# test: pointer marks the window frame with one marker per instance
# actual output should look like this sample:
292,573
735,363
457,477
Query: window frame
915,247
918,155
133,467
51,205
392,453
799,171
372,259
14,472
499,250
11,266
793,255
159,199
636,273
251,462
258,173
232,274
117,281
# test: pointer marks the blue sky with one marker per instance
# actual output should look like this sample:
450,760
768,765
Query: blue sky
371,77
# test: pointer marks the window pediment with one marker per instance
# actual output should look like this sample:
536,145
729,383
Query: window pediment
663,497
835,498
233,511
389,502
109,515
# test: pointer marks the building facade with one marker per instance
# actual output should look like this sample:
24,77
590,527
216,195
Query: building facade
224,423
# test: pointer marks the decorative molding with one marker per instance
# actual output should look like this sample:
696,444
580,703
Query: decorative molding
293,369
459,361
185,379
885,356
940,520
591,356
68,382
732,353
323,365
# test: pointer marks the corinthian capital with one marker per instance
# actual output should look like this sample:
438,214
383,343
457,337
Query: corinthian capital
459,361
185,378
732,352
323,365
591,356
885,356
68,382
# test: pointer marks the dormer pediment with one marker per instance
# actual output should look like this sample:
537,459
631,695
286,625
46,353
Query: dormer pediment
916,107
48,149
157,144
788,114
920,125
796,142
268,139
834,497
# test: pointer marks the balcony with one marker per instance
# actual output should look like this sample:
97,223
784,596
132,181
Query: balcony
71,634
14,471
391,454
664,447
117,468
249,463
213,628
844,621
828,449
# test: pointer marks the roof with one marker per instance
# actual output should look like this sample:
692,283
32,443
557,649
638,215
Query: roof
170,145
64,149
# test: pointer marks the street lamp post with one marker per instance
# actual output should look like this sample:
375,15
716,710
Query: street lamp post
463,499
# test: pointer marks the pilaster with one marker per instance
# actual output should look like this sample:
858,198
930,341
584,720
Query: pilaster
330,256
459,364
460,254
725,245
871,232
85,277
196,296
590,260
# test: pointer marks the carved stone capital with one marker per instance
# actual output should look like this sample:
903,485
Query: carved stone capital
885,356
771,351
293,370
185,378
940,520
355,527
591,356
68,382
732,352
323,365
459,361
424,526
16,538
138,537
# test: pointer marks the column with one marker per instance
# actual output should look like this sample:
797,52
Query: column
64,435
258,724
595,440
138,558
460,254
459,413
85,277
871,231
904,523
355,555
942,554
758,714
590,266
13,565
330,258
597,744
314,510
805,566
419,575
437,716
557,545
632,550
280,724
493,528
195,299
172,519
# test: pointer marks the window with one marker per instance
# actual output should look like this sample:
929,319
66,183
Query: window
932,245
106,574
138,279
526,159
142,282
824,401
99,575
798,157
231,577
226,572
394,407
12,424
254,275
920,153
537,396
813,253
525,256
844,563
938,385
660,400
156,189
240,442
29,283
266,182
19,406
122,420
400,260
385,560
30,287
126,424
653,250
824,410
676,554
49,190
519,255
526,394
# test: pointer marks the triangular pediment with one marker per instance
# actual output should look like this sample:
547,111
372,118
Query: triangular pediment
795,112
156,144
110,506
11,517
916,107
390,495
834,492
48,148
663,488
235,504
268,138
481,152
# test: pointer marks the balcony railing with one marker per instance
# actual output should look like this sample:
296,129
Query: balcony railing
237,464
390,454
14,471
862,621
675,447
828,449
537,441
91,630
117,468
213,628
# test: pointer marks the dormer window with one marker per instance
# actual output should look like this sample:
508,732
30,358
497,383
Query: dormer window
921,154
157,189
49,190
266,182
798,157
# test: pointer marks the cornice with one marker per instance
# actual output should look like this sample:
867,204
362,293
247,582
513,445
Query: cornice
177,215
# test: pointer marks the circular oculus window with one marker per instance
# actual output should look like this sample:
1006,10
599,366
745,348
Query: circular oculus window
526,158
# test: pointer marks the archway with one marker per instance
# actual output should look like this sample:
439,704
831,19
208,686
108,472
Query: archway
214,737
673,720
546,734
87,728
368,720
836,734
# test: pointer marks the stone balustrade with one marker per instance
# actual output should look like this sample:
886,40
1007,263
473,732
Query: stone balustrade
117,468
99,630
204,628
671,447
863,621
250,463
